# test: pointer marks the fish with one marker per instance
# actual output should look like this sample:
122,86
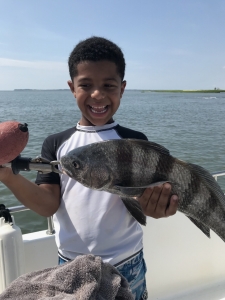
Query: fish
126,167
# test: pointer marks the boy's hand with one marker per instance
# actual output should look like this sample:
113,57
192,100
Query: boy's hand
157,202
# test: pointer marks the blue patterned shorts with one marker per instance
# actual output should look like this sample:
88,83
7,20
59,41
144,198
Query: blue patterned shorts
134,271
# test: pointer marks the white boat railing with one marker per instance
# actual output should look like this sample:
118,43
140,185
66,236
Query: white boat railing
217,174
20,208
51,230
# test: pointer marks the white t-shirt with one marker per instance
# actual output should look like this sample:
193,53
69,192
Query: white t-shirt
90,221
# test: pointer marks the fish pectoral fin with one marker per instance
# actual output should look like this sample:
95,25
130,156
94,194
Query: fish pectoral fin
134,208
202,227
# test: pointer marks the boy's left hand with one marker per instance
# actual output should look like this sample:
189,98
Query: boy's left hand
157,202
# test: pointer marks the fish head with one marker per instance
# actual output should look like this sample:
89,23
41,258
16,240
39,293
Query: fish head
88,165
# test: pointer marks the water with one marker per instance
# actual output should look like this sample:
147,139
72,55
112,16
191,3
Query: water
190,125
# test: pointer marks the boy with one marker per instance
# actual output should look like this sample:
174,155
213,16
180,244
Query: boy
88,221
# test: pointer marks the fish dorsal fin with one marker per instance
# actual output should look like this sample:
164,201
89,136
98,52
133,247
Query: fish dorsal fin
202,227
209,181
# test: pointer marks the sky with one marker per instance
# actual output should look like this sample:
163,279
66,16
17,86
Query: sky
168,44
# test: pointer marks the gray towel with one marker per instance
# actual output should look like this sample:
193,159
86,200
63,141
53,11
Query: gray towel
86,277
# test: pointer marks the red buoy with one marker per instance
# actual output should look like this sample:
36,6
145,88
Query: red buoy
13,139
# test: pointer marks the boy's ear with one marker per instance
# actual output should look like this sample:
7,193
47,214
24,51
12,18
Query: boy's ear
71,86
123,85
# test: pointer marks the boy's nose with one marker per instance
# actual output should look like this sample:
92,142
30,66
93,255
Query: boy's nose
97,94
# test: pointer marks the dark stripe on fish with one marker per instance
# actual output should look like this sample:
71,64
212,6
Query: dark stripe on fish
163,168
192,190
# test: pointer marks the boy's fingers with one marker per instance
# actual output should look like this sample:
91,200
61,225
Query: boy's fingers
163,200
172,209
157,202
149,201
147,207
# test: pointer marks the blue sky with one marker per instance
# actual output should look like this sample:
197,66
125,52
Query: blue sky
168,44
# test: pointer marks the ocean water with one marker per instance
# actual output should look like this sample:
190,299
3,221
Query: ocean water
190,125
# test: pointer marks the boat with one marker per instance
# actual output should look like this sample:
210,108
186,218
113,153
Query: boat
182,263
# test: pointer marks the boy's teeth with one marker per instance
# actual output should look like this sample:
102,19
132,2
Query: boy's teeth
98,109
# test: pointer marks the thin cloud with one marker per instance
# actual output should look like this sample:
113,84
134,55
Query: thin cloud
41,65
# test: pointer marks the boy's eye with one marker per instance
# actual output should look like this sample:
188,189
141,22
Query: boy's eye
84,85
109,85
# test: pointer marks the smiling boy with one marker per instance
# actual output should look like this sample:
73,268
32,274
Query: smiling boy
89,221
98,89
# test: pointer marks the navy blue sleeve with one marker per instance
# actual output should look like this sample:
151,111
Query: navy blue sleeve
49,151
127,133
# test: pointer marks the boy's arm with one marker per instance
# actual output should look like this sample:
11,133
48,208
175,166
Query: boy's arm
158,203
43,199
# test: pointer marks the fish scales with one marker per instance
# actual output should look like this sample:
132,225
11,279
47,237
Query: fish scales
127,166
131,160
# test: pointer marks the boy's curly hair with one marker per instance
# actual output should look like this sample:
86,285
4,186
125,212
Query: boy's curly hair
96,49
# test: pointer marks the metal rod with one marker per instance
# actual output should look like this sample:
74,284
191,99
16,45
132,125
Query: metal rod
51,229
40,167
18,208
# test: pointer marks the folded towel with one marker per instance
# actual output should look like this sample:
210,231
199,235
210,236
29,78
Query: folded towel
86,277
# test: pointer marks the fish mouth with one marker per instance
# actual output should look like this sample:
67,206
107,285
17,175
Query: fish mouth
66,172
98,109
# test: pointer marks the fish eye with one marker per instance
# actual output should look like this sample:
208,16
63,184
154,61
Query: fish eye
76,165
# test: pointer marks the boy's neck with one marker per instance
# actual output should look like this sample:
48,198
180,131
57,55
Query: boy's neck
84,122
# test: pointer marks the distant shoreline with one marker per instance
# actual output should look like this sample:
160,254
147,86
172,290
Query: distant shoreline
185,91
142,91
33,90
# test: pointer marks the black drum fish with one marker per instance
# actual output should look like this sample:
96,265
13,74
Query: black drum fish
127,166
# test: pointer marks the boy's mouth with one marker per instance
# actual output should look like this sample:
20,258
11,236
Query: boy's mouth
98,109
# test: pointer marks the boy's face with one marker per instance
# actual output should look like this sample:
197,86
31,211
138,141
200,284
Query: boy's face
98,90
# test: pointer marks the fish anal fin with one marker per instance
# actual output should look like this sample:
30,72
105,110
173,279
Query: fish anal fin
202,227
134,208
